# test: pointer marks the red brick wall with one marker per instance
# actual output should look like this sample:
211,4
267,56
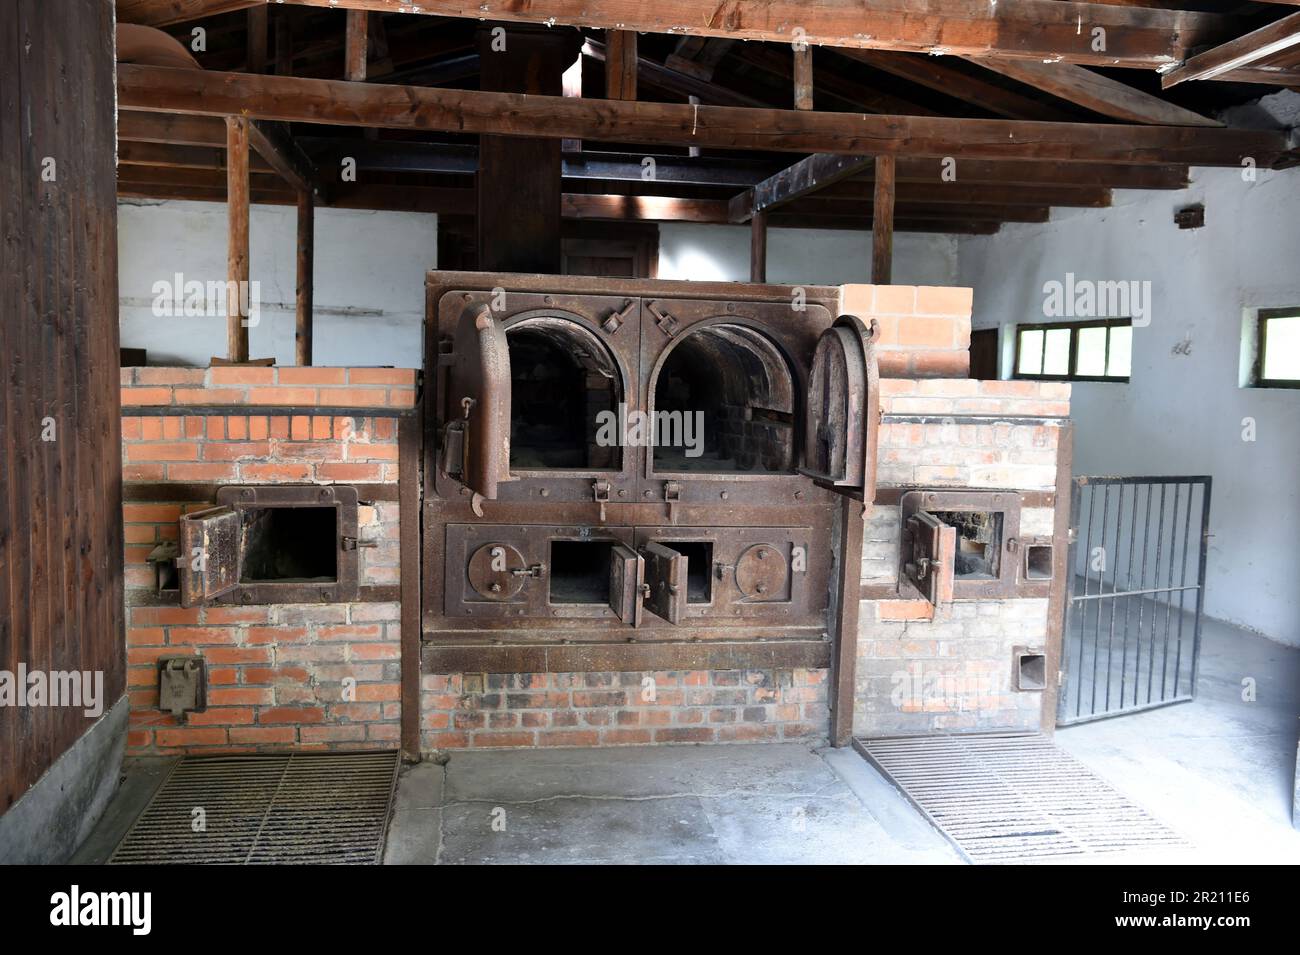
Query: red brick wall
475,710
924,330
289,676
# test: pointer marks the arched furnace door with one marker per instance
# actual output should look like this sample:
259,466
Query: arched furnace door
476,439
843,410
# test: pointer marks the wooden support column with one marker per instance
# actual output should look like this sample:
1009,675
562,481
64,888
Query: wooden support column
257,37
853,516
758,247
303,296
237,245
882,223
518,183
620,64
803,78
355,44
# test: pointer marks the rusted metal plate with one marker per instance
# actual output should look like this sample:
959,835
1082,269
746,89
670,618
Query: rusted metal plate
927,559
209,554
492,571
986,547
626,657
665,574
762,573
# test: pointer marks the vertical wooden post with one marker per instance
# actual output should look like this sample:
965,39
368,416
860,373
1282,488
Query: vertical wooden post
882,223
572,81
283,46
354,47
848,597
803,78
758,247
303,297
620,64
693,151
257,37
237,245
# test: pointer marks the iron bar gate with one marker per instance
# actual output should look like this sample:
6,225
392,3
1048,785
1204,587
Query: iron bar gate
1137,589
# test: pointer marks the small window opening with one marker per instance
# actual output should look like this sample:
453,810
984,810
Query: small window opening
699,569
1038,562
979,543
290,544
724,402
579,572
1031,670
561,379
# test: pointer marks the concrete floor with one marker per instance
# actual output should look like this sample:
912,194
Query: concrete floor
1219,770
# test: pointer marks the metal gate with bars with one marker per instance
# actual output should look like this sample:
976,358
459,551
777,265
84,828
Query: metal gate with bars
1137,589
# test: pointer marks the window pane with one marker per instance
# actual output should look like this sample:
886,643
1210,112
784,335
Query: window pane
1031,353
1056,360
1121,352
1282,349
1092,352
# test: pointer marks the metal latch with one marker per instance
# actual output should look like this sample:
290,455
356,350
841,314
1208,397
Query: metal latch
615,319
182,685
534,571
667,324
600,494
352,543
673,496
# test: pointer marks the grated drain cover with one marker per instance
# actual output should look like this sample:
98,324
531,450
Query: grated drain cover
320,808
1015,798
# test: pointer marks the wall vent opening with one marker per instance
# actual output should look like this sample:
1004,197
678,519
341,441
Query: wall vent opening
290,545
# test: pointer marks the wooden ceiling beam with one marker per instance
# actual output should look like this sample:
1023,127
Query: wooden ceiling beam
1025,29
161,13
335,102
1101,94
1239,54
683,84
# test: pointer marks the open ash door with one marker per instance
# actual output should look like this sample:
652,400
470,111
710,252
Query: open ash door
476,436
929,556
665,577
626,583
842,417
211,553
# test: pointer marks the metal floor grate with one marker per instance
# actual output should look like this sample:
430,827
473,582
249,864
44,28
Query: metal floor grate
1015,798
323,808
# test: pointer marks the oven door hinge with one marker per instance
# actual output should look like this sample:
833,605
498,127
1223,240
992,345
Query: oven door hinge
353,543
666,322
673,497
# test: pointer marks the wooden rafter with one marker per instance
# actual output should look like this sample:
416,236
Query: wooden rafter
1025,29
1240,54
1101,94
336,102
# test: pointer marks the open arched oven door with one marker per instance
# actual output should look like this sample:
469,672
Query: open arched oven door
843,411
476,437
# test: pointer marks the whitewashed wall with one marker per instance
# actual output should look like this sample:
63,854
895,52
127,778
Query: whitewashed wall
720,253
1183,411
369,281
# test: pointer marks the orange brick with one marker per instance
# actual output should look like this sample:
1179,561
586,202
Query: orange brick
264,635
145,637
258,428
170,376
895,300
320,428
201,472
190,736
237,429
263,734
292,714
312,376
223,716
142,472
139,534
239,696
300,427
332,734
235,450
336,471
354,397
282,396
942,300
214,428
904,610
165,616
275,472
242,376
382,376
928,332
401,397
150,512
940,364
378,692
202,636
131,429
195,426
279,426
209,396
236,655
221,615
146,396
163,451
171,429
151,429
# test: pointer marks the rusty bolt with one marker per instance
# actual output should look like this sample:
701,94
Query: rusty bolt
725,495
545,492
798,495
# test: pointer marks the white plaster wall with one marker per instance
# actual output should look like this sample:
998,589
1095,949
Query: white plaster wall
1182,413
369,281
720,253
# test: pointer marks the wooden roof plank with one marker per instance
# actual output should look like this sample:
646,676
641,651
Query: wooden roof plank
1238,54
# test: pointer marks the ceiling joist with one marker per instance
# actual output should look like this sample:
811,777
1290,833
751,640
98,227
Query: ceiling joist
1248,52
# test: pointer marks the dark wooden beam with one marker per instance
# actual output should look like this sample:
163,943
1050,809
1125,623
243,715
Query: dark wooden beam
643,208
960,193
932,73
1026,29
835,91
803,77
355,46
257,38
758,248
303,293
513,114
237,200
1101,94
620,64
1239,54
161,13
882,223
274,143
803,178
683,84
